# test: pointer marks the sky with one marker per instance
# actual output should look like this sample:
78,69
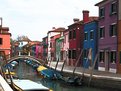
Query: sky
34,18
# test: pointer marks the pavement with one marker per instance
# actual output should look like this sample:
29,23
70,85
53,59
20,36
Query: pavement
86,72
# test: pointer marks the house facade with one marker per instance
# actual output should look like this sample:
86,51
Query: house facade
45,47
66,46
107,35
90,42
75,41
53,39
59,48
119,37
5,46
50,34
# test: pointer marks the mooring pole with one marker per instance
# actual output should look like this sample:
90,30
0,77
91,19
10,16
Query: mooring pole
56,64
77,61
92,69
89,53
63,64
10,76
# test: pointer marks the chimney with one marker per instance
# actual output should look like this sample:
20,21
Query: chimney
76,20
53,28
85,16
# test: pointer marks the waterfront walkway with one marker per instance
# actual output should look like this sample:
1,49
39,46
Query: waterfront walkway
87,72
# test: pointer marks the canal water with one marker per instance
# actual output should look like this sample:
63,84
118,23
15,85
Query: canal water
25,71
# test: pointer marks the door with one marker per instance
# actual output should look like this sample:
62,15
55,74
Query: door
107,60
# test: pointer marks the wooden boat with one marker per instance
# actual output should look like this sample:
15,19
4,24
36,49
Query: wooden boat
28,85
73,80
40,68
51,74
48,73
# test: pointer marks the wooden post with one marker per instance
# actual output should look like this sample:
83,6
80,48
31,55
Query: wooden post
10,76
63,65
77,61
29,54
19,53
49,62
86,62
92,69
56,64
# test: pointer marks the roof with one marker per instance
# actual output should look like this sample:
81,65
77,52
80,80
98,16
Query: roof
60,29
91,19
5,28
100,2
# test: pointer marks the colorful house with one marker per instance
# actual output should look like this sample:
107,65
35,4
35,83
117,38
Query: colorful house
50,34
75,41
66,45
119,36
53,47
45,47
5,46
90,41
107,33
59,48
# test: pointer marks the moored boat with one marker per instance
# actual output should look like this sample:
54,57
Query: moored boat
28,85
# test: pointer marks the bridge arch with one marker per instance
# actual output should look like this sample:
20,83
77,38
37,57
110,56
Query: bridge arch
41,62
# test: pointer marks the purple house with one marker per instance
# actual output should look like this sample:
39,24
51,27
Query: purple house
107,35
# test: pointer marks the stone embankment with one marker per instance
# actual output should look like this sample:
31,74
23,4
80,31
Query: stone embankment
93,78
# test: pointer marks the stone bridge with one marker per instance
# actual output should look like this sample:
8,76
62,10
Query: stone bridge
25,57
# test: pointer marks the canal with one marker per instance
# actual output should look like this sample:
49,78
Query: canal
25,71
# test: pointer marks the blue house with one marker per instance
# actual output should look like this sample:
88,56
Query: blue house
90,42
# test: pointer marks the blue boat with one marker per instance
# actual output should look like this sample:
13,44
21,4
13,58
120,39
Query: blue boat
51,74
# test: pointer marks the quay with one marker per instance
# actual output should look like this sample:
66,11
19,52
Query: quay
99,79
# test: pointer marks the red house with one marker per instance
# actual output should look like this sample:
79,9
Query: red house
75,37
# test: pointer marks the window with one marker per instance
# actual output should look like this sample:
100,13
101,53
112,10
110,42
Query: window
120,57
1,41
85,36
113,8
70,34
113,30
73,54
101,57
101,32
92,35
69,55
65,39
85,53
101,12
113,57
52,54
74,34
61,55
50,45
